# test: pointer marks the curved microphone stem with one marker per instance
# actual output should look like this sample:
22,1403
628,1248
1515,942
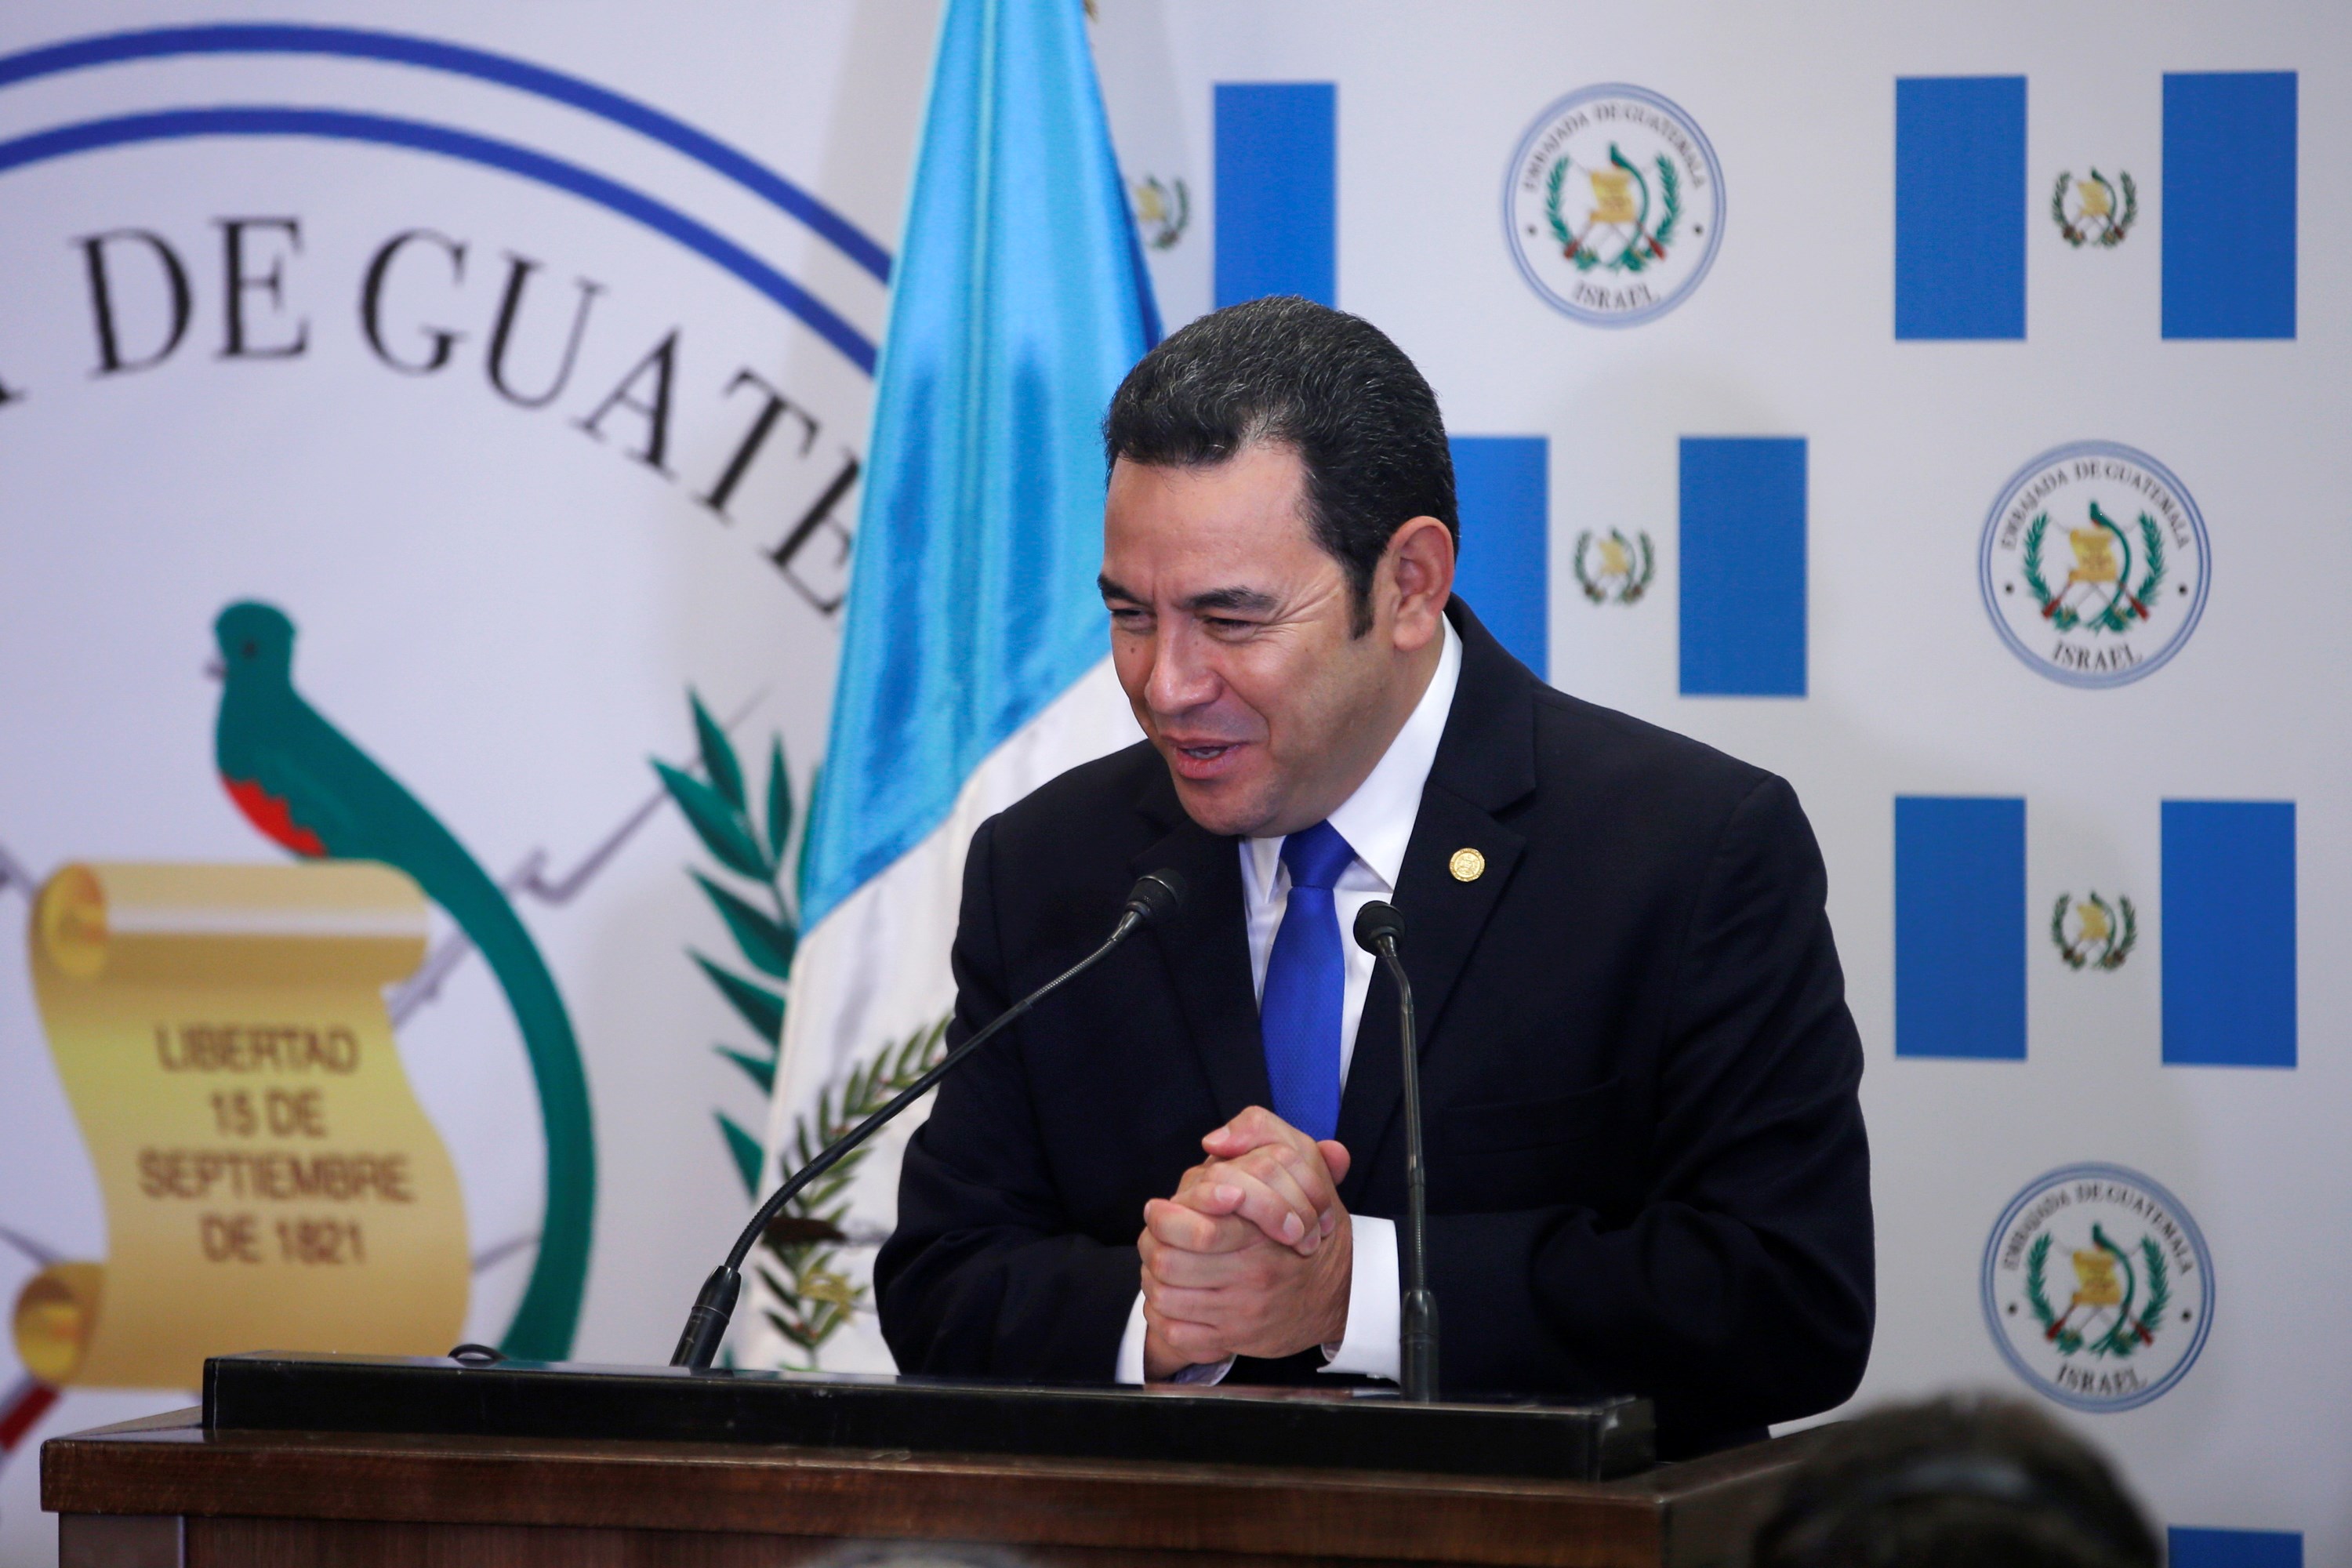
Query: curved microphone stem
1417,1343
707,1324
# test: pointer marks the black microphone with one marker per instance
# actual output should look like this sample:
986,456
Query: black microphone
1378,927
1155,897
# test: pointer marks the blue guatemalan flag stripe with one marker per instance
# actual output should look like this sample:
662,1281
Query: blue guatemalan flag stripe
2228,204
1959,207
2229,933
1019,300
975,659
1960,927
1277,191
2191,1547
1743,567
1278,233
1502,487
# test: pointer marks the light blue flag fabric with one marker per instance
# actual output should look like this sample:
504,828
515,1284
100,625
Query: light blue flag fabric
1019,301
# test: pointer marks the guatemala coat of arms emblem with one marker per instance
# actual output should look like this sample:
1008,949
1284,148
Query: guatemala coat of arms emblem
2091,212
2098,1287
2094,565
1614,206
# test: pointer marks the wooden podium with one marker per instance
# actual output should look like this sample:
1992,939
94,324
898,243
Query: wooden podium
400,1464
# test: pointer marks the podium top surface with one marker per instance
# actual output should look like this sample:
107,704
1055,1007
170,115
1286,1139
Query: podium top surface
1346,1430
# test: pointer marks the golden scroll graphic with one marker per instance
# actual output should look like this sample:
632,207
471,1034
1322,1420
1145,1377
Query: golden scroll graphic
270,1180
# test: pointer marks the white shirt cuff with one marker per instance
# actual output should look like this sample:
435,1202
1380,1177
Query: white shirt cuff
1375,1309
1130,1352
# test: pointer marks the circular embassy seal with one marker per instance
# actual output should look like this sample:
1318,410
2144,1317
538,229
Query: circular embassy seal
2093,563
1613,204
2098,1287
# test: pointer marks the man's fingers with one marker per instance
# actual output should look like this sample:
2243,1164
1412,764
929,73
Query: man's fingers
1186,1305
1196,1343
1259,1133
1269,1198
1259,1298
1253,1129
1175,1224
1189,1342
1267,1174
1192,1270
1204,1190
1300,1179
1335,1158
1166,1266
1233,1316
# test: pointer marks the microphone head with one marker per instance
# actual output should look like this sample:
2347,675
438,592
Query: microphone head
1156,895
1376,922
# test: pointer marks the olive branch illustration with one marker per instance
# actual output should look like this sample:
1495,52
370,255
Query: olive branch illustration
721,815
811,1298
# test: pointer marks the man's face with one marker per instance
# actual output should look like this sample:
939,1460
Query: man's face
1230,633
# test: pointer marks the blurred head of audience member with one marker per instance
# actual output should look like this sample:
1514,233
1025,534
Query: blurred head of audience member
1955,1483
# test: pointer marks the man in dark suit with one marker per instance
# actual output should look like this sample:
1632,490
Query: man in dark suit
1646,1164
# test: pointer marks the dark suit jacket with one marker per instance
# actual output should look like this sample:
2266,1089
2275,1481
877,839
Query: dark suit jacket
1647,1169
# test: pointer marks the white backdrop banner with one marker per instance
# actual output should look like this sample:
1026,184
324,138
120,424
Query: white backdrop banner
517,376
1941,410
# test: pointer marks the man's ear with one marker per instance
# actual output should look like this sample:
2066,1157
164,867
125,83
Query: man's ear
1419,567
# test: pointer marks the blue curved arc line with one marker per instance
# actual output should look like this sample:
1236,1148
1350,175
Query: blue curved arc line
430,54
341,125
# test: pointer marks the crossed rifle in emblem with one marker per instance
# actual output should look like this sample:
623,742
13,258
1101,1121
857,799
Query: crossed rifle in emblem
2097,1288
1614,192
2097,563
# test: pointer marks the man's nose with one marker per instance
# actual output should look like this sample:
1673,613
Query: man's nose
1180,678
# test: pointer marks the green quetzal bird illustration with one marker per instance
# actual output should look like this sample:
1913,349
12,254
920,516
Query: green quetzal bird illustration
298,779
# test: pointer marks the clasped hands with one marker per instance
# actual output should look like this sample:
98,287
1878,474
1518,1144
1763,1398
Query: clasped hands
1254,1256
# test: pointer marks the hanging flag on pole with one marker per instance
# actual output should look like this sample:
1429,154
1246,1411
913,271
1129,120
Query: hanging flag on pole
974,661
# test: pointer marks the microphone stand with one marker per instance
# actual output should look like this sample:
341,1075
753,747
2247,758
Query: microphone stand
1156,896
1378,926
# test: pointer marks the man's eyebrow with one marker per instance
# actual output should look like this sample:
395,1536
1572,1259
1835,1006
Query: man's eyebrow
1248,600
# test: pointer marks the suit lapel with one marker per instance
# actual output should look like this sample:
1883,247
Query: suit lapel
1206,948
1485,762
1443,917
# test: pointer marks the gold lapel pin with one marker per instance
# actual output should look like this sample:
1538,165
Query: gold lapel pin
1467,865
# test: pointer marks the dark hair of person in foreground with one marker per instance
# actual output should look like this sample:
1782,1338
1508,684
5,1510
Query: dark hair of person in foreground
1330,387
1955,1483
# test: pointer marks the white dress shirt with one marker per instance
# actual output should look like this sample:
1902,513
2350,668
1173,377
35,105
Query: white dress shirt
1377,822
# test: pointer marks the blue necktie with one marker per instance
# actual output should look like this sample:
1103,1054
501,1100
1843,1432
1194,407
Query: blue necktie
1306,975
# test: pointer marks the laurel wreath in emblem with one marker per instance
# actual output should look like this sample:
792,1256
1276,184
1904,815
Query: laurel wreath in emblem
1163,212
1670,197
2105,230
2130,1329
1642,565
2122,607
1642,247
813,1298
2123,933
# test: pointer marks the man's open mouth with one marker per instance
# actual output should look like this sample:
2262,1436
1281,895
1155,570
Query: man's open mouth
1200,761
